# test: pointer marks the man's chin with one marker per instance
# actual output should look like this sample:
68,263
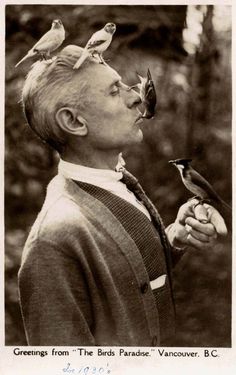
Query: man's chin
139,135
135,138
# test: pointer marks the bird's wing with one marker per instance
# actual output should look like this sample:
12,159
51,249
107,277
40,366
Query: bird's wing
48,41
43,39
97,39
149,91
200,181
95,43
46,46
150,96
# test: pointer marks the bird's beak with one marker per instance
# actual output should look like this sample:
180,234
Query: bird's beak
149,75
56,22
171,161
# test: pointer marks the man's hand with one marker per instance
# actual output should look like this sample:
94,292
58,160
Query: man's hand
196,225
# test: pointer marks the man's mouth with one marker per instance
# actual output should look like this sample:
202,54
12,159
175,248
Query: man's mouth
139,118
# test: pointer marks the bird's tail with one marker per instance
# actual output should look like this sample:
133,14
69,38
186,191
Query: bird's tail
29,54
226,205
82,58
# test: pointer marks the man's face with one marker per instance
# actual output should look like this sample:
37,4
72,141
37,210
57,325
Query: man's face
111,110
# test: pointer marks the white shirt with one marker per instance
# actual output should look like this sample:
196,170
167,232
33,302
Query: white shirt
103,178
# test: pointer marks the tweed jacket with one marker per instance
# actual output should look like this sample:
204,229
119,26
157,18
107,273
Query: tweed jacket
82,276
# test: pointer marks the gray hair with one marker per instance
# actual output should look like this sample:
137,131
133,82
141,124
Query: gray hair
47,88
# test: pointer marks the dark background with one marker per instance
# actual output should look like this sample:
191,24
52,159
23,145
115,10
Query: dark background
193,120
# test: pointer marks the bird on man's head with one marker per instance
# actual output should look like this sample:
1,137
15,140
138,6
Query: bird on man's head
198,185
97,44
48,43
147,94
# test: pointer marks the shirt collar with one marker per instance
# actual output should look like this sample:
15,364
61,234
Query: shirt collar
90,175
104,178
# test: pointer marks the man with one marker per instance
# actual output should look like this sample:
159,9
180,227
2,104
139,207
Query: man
96,268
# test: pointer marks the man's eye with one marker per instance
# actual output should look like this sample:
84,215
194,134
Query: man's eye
115,91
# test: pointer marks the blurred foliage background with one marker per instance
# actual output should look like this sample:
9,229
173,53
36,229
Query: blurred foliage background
188,50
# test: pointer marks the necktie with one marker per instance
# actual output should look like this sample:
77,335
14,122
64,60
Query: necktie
134,186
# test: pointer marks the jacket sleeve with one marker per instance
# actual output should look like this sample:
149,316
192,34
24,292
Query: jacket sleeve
176,252
54,297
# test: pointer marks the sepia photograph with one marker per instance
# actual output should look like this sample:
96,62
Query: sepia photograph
118,176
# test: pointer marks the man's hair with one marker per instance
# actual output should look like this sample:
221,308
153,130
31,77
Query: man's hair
48,87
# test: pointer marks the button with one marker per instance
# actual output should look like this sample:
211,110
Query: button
144,288
154,341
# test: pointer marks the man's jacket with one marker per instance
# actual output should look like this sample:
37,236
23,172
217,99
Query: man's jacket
82,276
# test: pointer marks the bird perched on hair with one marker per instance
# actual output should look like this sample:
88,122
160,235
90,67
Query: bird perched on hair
199,186
97,44
147,94
48,43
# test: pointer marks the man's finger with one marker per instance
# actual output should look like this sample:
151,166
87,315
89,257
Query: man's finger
198,244
216,219
207,228
201,213
198,235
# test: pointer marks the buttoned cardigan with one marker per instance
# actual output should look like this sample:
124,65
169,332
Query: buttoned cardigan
82,276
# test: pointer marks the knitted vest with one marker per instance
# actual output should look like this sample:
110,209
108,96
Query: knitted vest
147,240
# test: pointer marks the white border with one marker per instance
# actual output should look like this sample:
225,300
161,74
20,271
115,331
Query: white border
34,365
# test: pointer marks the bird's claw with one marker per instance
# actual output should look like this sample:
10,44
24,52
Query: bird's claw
201,201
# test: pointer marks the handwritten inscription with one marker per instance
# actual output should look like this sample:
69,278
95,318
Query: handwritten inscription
86,370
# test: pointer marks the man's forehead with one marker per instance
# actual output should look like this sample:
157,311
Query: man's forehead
103,74
114,74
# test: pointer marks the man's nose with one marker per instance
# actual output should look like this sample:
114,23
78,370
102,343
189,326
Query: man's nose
132,98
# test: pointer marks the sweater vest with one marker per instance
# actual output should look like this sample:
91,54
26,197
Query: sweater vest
146,237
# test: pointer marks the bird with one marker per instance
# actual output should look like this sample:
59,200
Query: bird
147,94
48,43
97,44
199,186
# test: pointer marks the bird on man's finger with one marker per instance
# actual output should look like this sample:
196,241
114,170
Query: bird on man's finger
48,43
97,44
199,186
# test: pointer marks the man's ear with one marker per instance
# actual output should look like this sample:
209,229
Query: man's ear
70,122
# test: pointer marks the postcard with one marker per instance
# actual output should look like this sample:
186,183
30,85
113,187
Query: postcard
117,187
